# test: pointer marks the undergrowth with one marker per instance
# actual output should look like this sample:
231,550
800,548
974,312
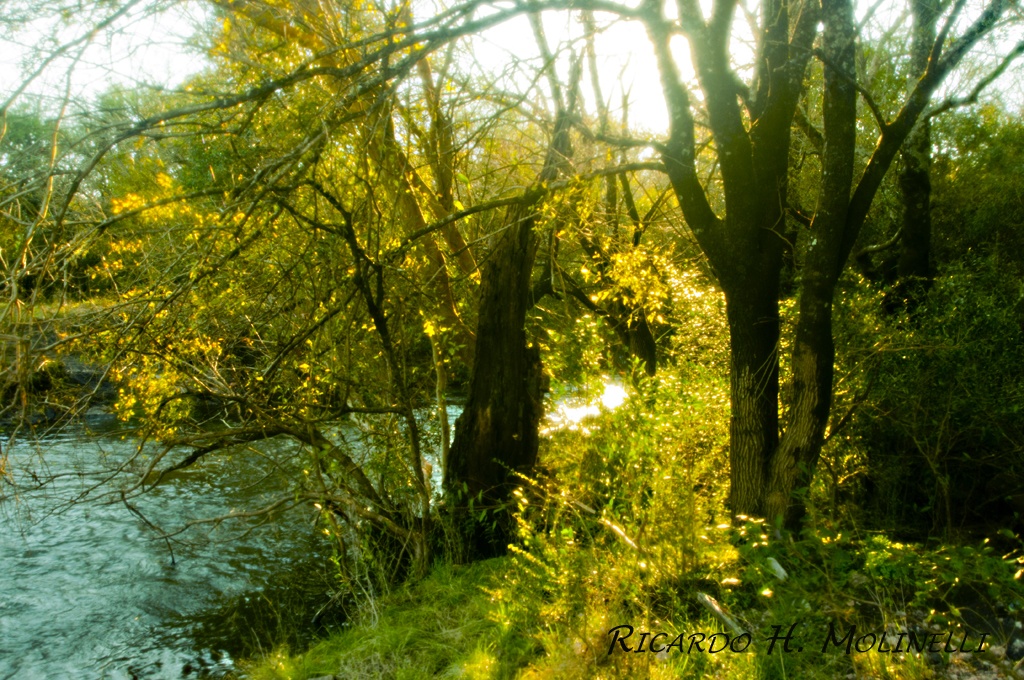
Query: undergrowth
625,528
442,625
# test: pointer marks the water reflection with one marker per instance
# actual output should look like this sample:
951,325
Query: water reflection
87,592
570,413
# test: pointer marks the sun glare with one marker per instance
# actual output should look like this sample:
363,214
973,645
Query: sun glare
627,70
569,414
614,396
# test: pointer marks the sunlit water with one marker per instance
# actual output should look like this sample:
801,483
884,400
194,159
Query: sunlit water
86,590
571,413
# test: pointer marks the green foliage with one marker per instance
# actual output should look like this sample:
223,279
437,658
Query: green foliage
979,197
263,267
627,522
940,424
928,430
875,584
613,533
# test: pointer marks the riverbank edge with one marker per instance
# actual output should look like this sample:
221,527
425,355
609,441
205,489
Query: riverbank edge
441,626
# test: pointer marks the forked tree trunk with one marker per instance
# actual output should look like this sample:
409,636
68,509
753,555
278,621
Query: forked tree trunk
810,401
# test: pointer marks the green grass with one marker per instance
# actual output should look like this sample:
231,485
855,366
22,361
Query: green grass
439,627
503,619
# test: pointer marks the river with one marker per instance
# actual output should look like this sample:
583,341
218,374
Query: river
87,590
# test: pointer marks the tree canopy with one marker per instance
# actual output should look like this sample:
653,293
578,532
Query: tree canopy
345,217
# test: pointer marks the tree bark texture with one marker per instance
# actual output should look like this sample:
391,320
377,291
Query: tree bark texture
497,434
754,393
914,268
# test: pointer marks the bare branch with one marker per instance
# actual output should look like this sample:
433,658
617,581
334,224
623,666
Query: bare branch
972,98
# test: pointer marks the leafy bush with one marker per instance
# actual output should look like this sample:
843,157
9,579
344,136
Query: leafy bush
876,585
611,534
942,432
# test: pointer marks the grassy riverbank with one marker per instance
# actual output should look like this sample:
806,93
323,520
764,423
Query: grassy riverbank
657,553
441,626
465,622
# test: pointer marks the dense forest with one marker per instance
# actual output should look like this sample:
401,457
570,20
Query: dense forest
552,385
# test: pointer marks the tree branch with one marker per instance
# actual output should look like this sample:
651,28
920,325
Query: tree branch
972,98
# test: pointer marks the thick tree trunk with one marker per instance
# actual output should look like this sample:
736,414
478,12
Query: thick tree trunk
914,269
916,187
753,315
752,161
496,435
810,403
765,468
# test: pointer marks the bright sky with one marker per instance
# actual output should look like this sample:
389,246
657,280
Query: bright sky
153,49
142,48
625,62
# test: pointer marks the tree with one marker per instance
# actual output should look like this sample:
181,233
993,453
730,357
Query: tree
497,434
750,125
915,270
280,241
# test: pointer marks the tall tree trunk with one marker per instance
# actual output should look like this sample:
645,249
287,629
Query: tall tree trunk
916,188
767,469
793,462
810,400
914,269
497,433
753,316
393,165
